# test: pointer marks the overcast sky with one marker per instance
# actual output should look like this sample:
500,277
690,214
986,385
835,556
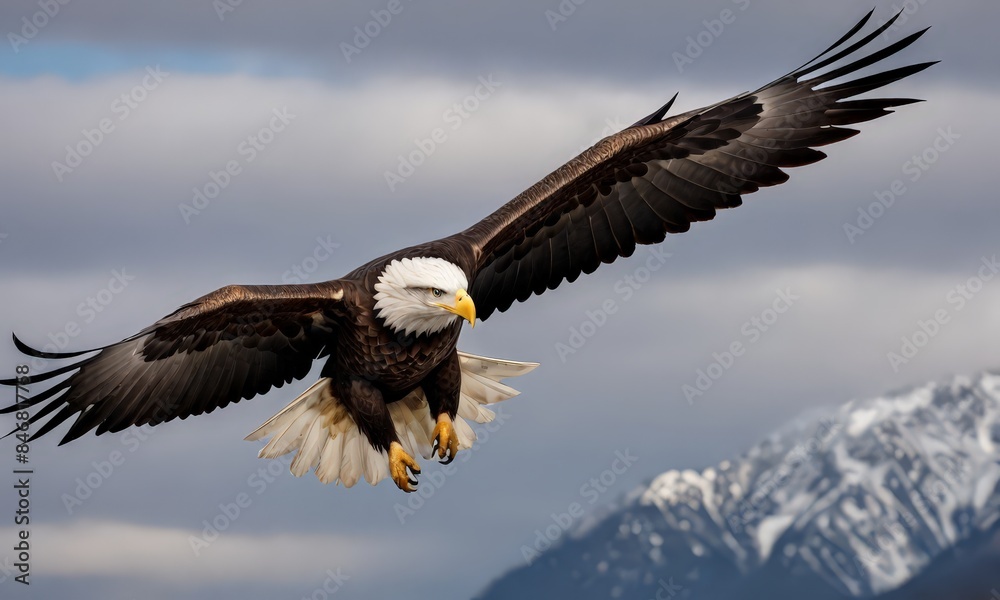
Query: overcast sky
338,109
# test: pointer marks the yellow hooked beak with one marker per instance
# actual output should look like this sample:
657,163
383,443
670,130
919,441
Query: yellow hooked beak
464,307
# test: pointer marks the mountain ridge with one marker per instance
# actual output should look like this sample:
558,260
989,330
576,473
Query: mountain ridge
849,502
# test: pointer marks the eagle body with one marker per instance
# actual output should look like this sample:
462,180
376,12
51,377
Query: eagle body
394,384
371,365
396,363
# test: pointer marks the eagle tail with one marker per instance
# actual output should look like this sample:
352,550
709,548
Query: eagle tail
318,426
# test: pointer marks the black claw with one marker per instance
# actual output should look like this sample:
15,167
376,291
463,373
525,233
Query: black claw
414,470
451,457
412,482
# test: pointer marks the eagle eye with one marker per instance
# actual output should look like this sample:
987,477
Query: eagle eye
437,292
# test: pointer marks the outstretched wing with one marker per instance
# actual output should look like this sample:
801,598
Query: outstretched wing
234,343
661,174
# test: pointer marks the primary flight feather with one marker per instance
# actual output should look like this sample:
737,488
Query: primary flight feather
394,384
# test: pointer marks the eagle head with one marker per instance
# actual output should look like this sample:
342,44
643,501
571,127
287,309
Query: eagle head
423,295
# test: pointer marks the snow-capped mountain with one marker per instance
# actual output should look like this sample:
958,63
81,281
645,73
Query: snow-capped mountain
849,502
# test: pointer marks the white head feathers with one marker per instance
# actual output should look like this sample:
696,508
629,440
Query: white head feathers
408,291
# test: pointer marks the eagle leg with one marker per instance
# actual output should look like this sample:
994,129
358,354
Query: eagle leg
445,439
443,388
399,462
366,406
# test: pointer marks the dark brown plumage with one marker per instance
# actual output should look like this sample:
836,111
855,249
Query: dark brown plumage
234,343
656,177
662,174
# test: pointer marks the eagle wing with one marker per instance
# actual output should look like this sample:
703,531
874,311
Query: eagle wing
661,174
232,344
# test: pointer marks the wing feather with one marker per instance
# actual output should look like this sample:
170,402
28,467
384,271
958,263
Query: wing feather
663,173
232,344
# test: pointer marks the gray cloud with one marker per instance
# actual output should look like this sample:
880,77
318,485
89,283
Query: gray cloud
324,177
597,38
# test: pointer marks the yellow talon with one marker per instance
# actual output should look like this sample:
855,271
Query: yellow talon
445,439
399,461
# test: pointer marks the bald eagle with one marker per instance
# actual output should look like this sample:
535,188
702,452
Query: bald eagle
394,384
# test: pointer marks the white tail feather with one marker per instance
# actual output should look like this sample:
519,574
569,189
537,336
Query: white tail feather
317,425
